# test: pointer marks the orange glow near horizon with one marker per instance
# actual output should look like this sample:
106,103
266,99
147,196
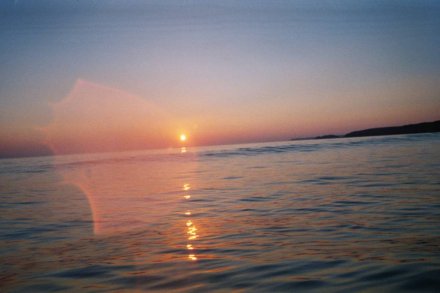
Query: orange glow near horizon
95,118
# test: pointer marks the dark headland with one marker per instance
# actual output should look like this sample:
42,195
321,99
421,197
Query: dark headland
404,129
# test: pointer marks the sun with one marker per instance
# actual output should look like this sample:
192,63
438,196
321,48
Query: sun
183,137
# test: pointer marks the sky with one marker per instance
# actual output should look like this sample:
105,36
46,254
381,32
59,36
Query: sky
92,76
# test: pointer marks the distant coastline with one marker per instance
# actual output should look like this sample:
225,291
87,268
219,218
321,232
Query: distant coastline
423,127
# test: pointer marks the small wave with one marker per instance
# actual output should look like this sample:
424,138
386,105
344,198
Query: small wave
317,145
232,177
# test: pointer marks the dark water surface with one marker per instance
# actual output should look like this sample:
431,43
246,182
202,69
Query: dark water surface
358,214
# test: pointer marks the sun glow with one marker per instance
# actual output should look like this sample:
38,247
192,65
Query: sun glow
183,137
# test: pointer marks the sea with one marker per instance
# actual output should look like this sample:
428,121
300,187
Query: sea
335,215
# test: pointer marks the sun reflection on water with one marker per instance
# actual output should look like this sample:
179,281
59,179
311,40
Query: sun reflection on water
186,187
191,229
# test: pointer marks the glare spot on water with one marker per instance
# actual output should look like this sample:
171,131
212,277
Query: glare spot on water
192,230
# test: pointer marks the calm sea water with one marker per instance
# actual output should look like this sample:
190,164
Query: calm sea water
349,215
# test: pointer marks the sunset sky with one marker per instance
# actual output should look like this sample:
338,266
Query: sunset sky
85,76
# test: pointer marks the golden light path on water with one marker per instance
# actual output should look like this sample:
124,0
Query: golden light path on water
191,229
